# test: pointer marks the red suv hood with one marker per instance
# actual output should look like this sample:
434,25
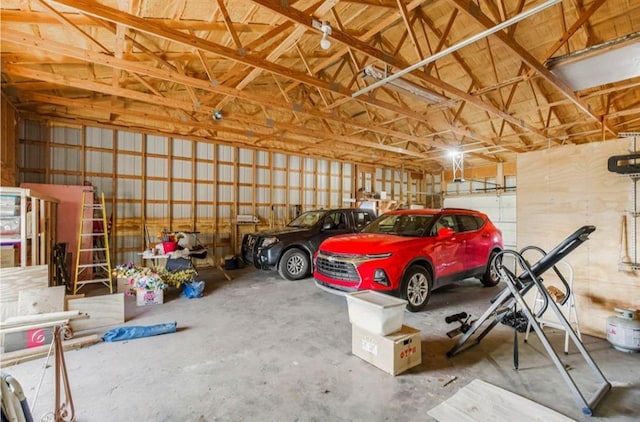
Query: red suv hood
364,243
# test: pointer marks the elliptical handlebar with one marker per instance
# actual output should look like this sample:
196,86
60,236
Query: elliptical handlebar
559,252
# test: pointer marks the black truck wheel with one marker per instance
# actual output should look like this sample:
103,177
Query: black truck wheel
294,265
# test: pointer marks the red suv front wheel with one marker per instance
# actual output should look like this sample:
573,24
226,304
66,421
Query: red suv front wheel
416,288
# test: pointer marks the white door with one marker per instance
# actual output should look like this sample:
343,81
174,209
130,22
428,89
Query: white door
501,209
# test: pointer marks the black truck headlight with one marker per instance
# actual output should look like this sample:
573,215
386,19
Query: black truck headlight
268,241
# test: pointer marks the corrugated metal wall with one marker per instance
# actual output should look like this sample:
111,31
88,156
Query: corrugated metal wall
153,182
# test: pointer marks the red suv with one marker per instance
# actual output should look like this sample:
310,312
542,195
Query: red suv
409,253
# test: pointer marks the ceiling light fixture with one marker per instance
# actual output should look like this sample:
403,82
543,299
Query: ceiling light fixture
325,28
609,62
457,160
458,46
403,86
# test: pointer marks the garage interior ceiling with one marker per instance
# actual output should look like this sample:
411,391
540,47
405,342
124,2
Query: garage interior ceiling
167,67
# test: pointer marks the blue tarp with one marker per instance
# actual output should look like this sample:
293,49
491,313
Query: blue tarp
192,289
128,333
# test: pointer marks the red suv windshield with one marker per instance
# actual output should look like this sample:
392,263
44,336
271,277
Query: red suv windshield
401,224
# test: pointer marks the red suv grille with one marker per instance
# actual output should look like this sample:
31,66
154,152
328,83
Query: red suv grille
331,266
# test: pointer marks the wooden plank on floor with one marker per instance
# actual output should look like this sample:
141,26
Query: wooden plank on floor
103,310
18,321
41,301
480,401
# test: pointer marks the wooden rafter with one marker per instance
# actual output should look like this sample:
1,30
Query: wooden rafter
476,14
62,19
260,60
157,73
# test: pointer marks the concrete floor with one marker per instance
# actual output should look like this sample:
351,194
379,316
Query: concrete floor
259,348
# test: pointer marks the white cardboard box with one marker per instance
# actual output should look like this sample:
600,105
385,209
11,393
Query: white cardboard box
7,257
394,353
149,297
376,312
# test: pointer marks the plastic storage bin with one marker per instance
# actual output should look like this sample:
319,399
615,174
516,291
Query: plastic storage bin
376,312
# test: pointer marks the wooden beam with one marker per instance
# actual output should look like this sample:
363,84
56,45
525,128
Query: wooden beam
38,18
140,68
74,28
98,87
474,13
164,32
407,23
288,127
355,43
229,24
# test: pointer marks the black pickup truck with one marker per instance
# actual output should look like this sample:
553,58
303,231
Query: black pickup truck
290,249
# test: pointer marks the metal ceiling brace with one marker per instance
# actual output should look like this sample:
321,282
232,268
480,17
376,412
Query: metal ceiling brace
513,294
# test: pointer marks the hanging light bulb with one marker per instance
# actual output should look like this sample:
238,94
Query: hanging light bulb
325,43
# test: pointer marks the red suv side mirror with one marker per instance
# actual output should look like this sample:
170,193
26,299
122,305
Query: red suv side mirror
445,232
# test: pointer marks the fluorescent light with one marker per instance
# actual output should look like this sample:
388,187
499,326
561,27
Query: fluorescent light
403,86
602,64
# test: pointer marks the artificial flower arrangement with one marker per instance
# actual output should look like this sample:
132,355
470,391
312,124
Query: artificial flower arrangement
176,278
126,270
139,278
142,278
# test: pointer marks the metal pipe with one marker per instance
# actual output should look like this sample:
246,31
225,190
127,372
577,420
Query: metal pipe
458,46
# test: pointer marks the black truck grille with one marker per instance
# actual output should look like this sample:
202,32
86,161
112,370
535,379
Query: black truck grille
248,246
337,269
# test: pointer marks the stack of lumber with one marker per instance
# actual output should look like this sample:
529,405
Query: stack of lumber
31,309
29,336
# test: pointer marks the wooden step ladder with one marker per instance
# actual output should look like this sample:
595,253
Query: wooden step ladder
93,225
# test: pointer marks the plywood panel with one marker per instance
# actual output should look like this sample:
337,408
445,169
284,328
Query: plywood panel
555,197
15,279
481,401
103,310
41,300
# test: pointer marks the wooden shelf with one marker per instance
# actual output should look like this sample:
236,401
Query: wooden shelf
34,216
